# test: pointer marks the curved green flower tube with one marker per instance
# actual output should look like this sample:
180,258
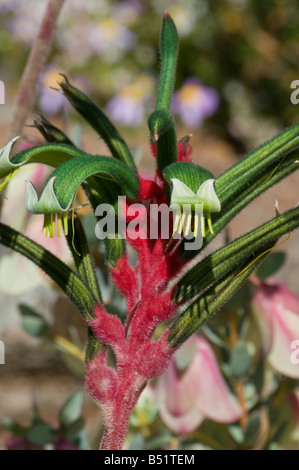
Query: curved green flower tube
58,194
50,154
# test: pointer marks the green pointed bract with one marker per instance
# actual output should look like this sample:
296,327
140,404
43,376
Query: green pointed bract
162,129
169,45
49,132
99,121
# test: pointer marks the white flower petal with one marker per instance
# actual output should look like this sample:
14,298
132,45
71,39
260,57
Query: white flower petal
48,202
5,164
208,197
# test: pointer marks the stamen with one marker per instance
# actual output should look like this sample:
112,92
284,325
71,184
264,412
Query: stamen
176,221
202,225
196,224
52,226
59,225
8,178
65,223
210,222
182,223
188,224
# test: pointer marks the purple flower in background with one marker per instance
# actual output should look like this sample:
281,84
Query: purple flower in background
7,5
50,102
128,107
109,37
194,102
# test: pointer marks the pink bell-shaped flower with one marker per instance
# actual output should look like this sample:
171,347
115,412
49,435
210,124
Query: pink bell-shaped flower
188,396
276,309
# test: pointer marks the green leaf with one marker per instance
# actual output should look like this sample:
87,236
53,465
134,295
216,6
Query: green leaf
99,121
250,167
271,264
14,427
33,323
204,307
252,431
216,265
71,410
236,433
169,45
41,434
248,193
240,362
71,432
65,278
84,263
257,377
162,129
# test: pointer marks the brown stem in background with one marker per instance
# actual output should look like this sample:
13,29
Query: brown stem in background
38,57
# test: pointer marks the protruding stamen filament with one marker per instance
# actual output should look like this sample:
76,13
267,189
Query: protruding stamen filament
196,224
59,224
65,223
176,221
50,224
202,225
210,223
182,223
8,178
188,224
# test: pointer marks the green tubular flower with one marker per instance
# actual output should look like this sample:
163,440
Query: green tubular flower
192,187
49,154
59,193
5,164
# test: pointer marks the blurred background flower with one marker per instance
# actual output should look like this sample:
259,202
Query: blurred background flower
193,389
194,102
276,311
128,107
239,50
